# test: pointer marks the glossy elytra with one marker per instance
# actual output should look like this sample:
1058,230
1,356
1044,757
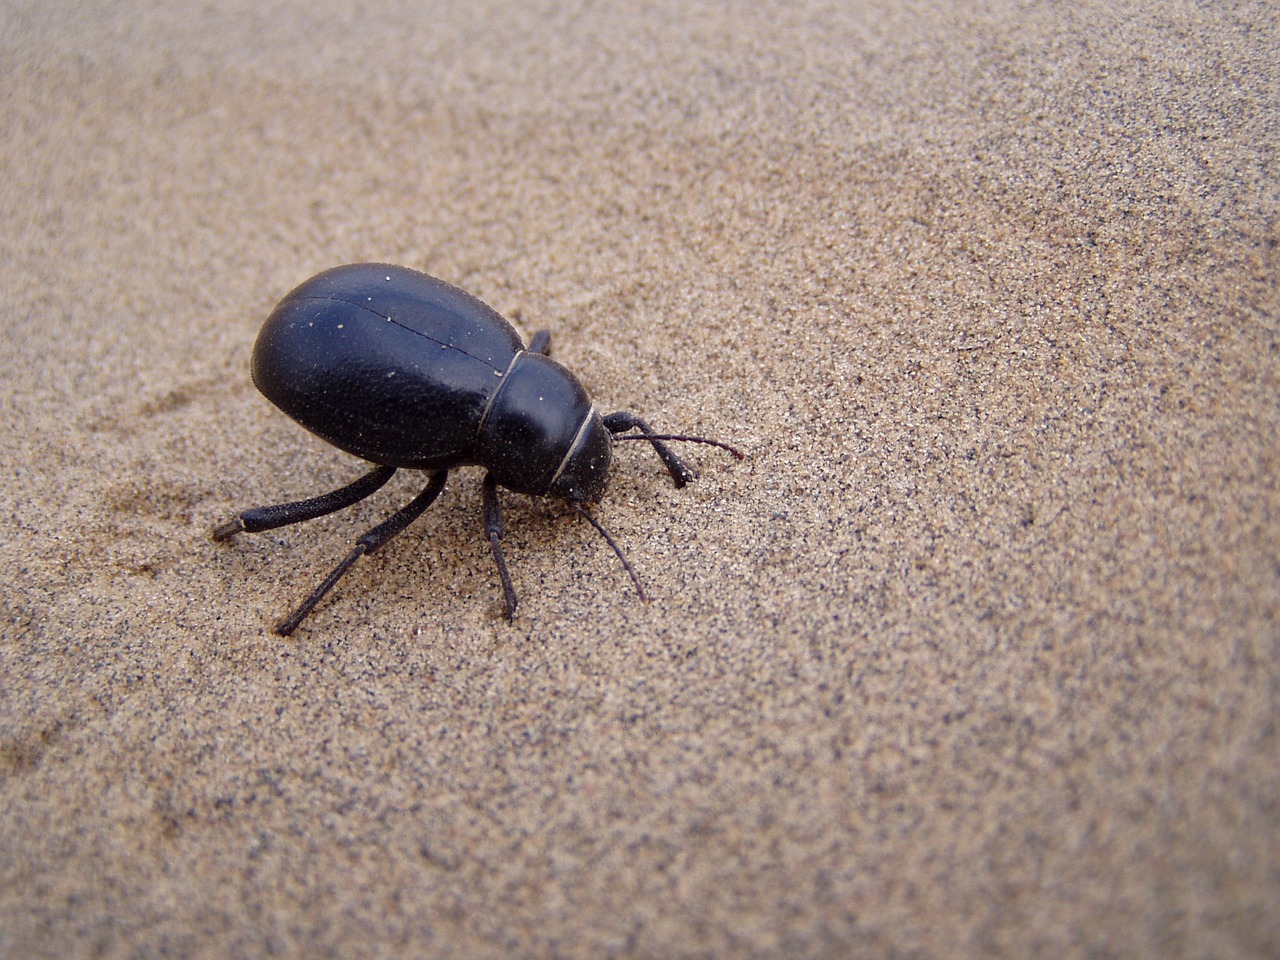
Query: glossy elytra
406,371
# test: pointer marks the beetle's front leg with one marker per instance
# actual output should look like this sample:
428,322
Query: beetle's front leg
622,422
617,423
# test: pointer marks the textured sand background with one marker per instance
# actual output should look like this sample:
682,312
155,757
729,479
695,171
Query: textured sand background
975,656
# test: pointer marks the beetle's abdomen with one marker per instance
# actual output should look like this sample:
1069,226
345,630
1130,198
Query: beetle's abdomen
385,363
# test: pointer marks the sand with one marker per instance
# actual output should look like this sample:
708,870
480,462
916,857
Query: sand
975,655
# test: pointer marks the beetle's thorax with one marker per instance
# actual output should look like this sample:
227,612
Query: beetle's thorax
540,433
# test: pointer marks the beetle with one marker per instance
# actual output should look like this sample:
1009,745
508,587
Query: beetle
406,371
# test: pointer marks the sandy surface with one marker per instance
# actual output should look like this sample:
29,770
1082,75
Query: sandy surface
976,655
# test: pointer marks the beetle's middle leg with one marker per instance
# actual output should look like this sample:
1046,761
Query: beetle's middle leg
494,531
368,543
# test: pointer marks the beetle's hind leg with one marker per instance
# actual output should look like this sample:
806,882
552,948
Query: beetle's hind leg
368,543
494,531
258,519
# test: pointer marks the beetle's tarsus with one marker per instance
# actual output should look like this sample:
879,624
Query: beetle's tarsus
290,624
225,531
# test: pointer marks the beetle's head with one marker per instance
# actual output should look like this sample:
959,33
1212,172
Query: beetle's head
585,471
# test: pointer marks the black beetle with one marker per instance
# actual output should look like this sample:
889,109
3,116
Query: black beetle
404,370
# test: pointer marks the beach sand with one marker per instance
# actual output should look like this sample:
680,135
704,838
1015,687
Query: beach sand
976,653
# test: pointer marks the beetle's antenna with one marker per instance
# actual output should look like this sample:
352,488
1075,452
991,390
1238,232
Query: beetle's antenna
672,436
582,511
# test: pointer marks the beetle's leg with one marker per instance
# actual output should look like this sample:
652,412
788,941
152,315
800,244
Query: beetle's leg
541,343
258,519
494,532
368,543
622,422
